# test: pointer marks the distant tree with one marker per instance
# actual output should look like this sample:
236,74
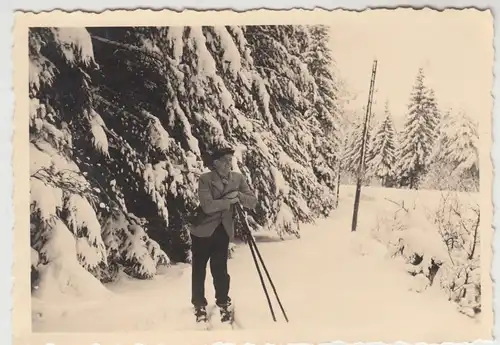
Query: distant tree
382,155
418,135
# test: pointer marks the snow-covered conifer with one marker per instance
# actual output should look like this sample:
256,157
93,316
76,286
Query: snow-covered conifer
62,201
454,163
382,160
419,134
66,134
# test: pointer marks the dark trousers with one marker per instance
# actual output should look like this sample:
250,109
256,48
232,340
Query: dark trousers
216,249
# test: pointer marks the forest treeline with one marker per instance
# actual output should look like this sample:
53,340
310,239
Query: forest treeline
435,149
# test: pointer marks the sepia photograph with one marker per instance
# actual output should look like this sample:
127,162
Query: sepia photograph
254,177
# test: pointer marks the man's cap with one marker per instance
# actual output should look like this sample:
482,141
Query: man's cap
220,152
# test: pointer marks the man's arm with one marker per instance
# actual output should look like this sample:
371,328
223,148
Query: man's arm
246,196
207,202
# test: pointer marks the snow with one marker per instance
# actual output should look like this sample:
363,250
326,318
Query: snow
43,155
151,46
208,118
180,115
261,145
159,137
334,285
206,64
279,181
286,160
264,97
64,279
99,140
88,256
231,54
82,216
174,36
285,218
244,122
72,39
136,250
82,219
46,199
41,71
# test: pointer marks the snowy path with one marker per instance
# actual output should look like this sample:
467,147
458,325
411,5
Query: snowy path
334,284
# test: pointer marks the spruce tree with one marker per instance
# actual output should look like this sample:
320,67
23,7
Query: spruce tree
326,110
418,135
382,158
63,204
463,150
133,94
255,159
276,52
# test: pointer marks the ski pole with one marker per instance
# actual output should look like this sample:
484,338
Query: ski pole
269,278
252,250
248,235
253,247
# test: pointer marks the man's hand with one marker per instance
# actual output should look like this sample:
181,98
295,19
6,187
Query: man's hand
231,198
230,202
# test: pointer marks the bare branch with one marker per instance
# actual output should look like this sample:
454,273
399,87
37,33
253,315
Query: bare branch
402,205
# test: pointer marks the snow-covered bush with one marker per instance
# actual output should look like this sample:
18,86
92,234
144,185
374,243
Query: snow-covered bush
412,240
457,220
439,243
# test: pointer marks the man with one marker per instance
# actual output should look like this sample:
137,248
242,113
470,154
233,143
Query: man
218,191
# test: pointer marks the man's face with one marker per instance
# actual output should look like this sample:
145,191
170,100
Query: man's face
224,164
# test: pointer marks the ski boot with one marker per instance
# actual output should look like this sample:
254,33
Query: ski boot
226,313
201,314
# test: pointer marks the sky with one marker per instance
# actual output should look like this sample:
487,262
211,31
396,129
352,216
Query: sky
455,48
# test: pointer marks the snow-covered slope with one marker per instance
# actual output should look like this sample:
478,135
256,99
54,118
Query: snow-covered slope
334,285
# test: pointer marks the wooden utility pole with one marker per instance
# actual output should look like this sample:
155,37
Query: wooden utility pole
361,167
